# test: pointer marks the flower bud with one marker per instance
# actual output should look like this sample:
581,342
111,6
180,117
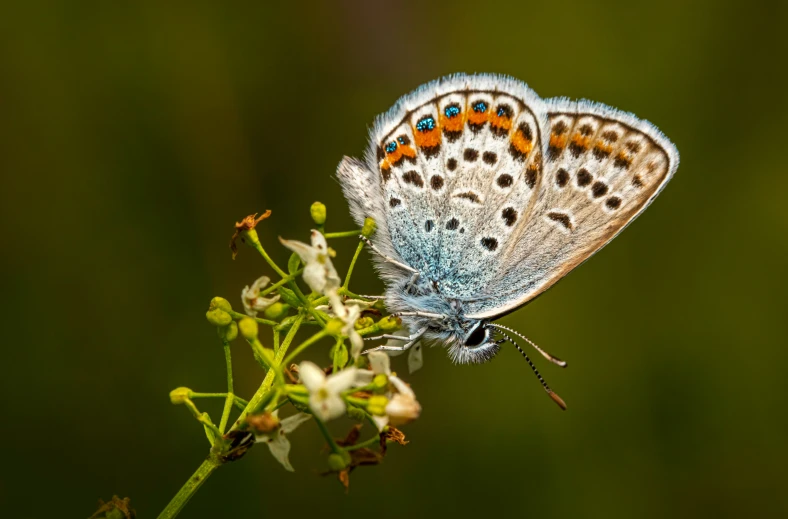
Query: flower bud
363,322
228,333
220,303
248,328
180,395
276,311
380,381
355,413
377,405
262,423
338,462
390,323
334,326
218,317
369,227
318,211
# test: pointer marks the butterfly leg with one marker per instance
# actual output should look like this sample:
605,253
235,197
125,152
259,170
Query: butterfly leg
413,339
389,259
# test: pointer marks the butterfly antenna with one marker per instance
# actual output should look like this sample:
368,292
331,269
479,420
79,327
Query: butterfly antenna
557,399
551,358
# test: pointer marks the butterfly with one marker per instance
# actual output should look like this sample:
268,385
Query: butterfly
485,195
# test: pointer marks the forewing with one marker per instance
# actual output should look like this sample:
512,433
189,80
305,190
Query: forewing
458,164
601,169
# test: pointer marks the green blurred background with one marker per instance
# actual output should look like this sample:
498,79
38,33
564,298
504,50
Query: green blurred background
133,135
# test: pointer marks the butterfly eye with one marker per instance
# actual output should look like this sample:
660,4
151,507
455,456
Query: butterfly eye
390,147
480,107
477,336
452,111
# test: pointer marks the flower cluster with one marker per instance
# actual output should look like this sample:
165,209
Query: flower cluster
362,387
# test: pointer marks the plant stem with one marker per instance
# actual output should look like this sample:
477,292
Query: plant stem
343,234
352,265
186,492
228,403
213,461
304,345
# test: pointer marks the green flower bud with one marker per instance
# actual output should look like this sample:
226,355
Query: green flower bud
356,414
220,303
276,311
380,381
334,326
248,328
218,317
289,297
377,405
364,322
369,227
228,333
180,395
318,211
390,323
338,461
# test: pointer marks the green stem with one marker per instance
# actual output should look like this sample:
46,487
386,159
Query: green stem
190,487
304,345
343,234
352,264
330,439
228,403
281,282
259,246
237,315
372,441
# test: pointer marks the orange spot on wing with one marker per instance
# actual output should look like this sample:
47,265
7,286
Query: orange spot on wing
522,143
557,141
580,141
407,151
427,139
478,118
454,124
501,122
602,146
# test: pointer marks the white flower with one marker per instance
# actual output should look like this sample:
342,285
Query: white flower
277,440
319,272
402,406
349,314
252,301
324,392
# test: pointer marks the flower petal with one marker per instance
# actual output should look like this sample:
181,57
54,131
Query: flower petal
381,422
311,375
402,388
304,251
280,448
327,406
356,344
379,362
341,380
290,423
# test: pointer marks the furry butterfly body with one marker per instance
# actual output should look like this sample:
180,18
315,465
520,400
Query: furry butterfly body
486,195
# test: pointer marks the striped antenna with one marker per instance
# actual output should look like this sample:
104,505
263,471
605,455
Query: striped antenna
551,358
557,399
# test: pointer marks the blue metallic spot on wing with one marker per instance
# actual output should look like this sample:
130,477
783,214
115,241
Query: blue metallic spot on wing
481,107
452,111
426,124
390,147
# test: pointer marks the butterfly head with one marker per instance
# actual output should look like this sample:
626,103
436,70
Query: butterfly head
470,341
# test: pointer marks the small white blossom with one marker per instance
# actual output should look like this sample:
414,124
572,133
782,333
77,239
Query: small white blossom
402,406
252,301
319,272
277,439
324,392
349,314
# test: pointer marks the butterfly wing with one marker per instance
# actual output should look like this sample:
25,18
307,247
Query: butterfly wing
602,168
450,170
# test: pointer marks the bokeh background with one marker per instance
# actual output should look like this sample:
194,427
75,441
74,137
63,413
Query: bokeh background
133,135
